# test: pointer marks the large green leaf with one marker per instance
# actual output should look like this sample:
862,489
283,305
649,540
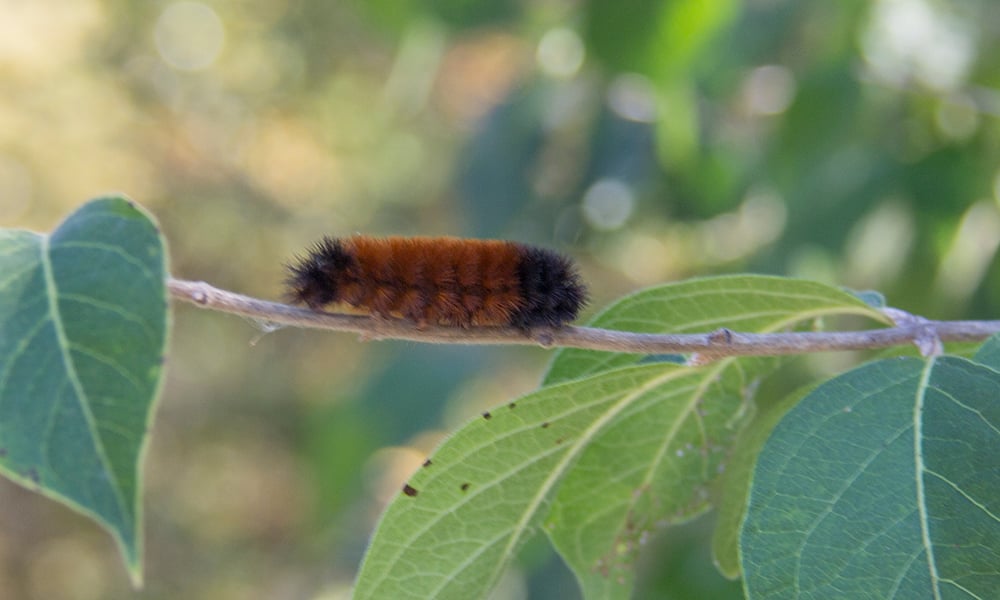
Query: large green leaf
83,326
462,518
660,462
882,483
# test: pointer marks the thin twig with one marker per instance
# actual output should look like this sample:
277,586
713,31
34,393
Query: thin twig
710,345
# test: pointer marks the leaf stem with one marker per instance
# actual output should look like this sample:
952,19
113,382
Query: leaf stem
709,345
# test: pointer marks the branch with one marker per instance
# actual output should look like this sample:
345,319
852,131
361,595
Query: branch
709,346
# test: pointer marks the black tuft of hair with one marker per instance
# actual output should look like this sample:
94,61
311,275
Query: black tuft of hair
552,289
312,280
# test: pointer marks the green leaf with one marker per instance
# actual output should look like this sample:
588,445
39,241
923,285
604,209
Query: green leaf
660,462
745,303
83,325
959,433
465,514
881,483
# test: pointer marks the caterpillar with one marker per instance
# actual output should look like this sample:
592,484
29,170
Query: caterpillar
440,281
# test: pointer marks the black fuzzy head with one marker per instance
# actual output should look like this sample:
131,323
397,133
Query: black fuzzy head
552,289
313,280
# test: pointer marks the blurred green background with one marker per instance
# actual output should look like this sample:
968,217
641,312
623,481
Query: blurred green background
852,142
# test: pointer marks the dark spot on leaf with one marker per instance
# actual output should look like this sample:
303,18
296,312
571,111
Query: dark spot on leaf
487,416
545,425
409,490
427,462
559,440
513,405
465,486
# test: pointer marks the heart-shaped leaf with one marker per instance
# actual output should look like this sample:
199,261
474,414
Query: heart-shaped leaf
83,328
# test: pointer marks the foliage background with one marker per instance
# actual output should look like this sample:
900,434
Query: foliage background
851,142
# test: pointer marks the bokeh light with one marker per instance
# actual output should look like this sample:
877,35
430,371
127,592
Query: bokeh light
768,90
560,52
632,96
608,204
189,35
920,39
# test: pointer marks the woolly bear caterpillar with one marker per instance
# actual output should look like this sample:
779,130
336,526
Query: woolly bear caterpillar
440,281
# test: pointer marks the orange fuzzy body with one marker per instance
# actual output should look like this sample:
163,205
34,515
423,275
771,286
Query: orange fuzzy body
443,281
